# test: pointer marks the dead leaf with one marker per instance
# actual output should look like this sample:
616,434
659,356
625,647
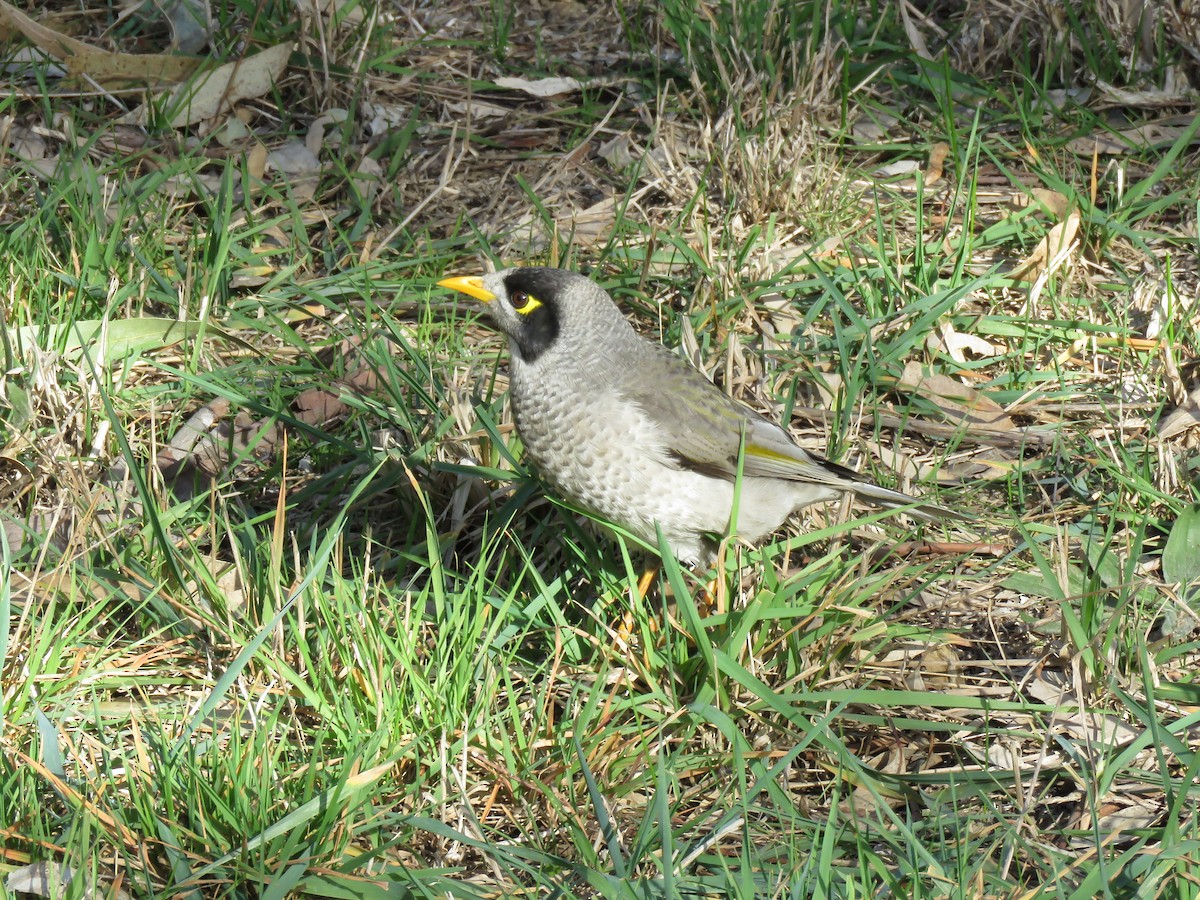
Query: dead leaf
210,94
28,63
367,179
232,132
899,167
617,152
1050,253
1176,91
895,459
190,22
916,40
256,161
955,344
1116,817
593,224
50,879
874,129
1181,419
937,162
24,143
294,158
542,87
1094,732
1129,140
316,137
957,401
477,109
99,65
1055,203
830,389
977,468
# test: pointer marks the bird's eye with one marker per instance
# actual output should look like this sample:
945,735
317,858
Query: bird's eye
524,303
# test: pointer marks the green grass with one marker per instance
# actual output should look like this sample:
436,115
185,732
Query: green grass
354,650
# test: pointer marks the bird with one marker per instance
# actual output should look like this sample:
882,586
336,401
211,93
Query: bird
627,430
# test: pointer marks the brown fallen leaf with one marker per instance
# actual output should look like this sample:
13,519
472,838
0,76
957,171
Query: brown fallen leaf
937,162
957,401
1050,253
1184,417
1058,205
213,93
100,65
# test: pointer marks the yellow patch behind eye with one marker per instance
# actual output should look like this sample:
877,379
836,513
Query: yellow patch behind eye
530,306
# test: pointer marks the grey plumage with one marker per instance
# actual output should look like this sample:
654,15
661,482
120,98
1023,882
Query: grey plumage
626,429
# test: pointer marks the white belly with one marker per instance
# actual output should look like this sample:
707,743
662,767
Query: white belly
608,459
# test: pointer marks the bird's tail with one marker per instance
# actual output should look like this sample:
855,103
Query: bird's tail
897,500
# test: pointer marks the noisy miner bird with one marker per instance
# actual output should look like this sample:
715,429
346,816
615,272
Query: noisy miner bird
626,429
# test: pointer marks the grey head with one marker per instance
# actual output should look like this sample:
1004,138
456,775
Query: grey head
549,313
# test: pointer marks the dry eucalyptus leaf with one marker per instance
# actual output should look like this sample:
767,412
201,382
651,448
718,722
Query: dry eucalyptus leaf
955,344
542,87
1094,732
899,167
23,143
231,132
190,22
1176,91
1061,98
1180,420
1013,758
99,65
874,129
617,152
1117,817
256,161
1051,252
477,109
916,40
213,93
1055,203
316,137
367,178
977,468
50,879
895,459
959,402
829,388
294,158
937,162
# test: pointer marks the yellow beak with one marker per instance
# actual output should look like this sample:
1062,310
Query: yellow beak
471,285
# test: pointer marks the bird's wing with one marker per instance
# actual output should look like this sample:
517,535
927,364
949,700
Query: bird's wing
702,428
